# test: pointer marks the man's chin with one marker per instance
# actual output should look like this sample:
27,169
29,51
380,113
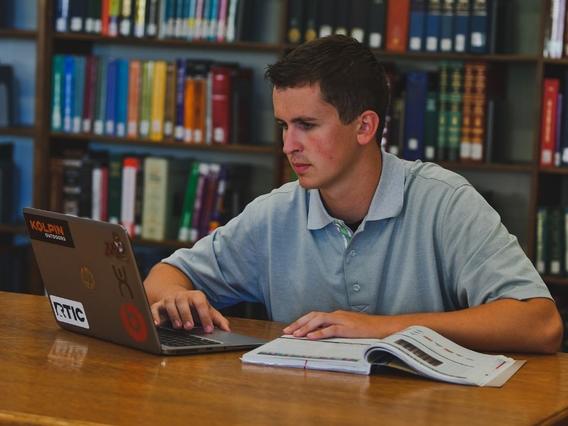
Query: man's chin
306,184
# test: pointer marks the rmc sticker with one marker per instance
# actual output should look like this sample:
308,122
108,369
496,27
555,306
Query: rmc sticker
69,311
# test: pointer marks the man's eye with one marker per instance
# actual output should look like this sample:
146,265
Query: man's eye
306,126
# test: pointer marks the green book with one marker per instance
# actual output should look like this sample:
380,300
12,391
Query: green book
188,202
454,112
146,98
57,91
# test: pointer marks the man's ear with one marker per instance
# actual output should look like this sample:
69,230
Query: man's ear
367,126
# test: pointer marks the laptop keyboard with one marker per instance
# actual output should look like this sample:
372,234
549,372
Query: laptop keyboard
178,338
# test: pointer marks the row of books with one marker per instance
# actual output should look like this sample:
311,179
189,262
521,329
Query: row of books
398,25
155,198
191,101
556,30
552,240
441,115
213,20
554,122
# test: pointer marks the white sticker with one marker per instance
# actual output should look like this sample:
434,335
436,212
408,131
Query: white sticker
69,311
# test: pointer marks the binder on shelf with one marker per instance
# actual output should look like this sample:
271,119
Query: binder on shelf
326,17
376,24
479,26
415,104
358,20
447,26
417,26
311,20
461,26
433,25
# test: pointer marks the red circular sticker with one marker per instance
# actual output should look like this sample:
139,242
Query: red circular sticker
133,322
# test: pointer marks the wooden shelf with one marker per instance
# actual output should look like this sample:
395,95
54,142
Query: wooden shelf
114,140
164,244
554,170
186,44
17,33
440,56
8,228
562,61
28,132
554,280
488,167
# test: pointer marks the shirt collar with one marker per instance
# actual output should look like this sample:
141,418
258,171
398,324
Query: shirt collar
387,201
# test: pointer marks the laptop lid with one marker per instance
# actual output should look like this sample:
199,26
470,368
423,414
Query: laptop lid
90,274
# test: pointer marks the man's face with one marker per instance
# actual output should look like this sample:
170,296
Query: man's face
320,148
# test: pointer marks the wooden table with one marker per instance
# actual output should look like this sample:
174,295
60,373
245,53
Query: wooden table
51,376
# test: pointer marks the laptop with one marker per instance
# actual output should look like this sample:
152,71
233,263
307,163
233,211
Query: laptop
94,287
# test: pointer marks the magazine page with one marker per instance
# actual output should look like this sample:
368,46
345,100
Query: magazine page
434,356
345,355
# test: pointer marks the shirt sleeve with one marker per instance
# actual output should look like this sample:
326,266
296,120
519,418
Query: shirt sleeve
484,261
225,264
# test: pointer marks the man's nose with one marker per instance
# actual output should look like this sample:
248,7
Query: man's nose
290,141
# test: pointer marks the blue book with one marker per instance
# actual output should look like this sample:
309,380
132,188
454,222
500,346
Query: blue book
122,98
180,98
417,25
168,19
68,80
415,108
479,26
100,99
78,93
178,29
447,26
213,20
110,110
62,16
433,22
461,26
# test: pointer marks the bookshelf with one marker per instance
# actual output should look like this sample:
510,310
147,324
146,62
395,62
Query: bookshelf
515,170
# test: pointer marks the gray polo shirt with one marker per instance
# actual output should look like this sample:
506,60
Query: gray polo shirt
429,243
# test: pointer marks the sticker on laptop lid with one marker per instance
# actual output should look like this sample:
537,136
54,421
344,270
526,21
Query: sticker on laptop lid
49,230
69,311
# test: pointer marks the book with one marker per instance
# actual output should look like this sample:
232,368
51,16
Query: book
551,87
447,26
433,22
454,117
556,241
478,129
479,26
461,26
358,20
417,26
62,16
564,129
541,255
418,350
133,98
341,19
6,181
376,24
311,20
431,118
397,26
57,93
326,17
416,90
188,203
221,104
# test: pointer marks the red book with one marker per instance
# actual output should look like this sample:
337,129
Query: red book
550,91
221,104
105,4
130,168
397,25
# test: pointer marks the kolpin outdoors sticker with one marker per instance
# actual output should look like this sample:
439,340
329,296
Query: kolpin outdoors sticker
49,230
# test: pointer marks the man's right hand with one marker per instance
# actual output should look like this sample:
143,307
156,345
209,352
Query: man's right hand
184,308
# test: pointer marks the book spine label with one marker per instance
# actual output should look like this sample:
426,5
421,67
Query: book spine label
548,124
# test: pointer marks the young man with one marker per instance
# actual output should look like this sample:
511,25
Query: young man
363,244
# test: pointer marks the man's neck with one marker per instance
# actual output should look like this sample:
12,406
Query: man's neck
351,202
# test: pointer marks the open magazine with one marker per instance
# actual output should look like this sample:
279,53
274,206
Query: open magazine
417,349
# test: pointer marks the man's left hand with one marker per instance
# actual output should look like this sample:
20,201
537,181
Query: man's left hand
321,325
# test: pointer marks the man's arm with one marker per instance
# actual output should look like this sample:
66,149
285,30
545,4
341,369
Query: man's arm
507,325
171,294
